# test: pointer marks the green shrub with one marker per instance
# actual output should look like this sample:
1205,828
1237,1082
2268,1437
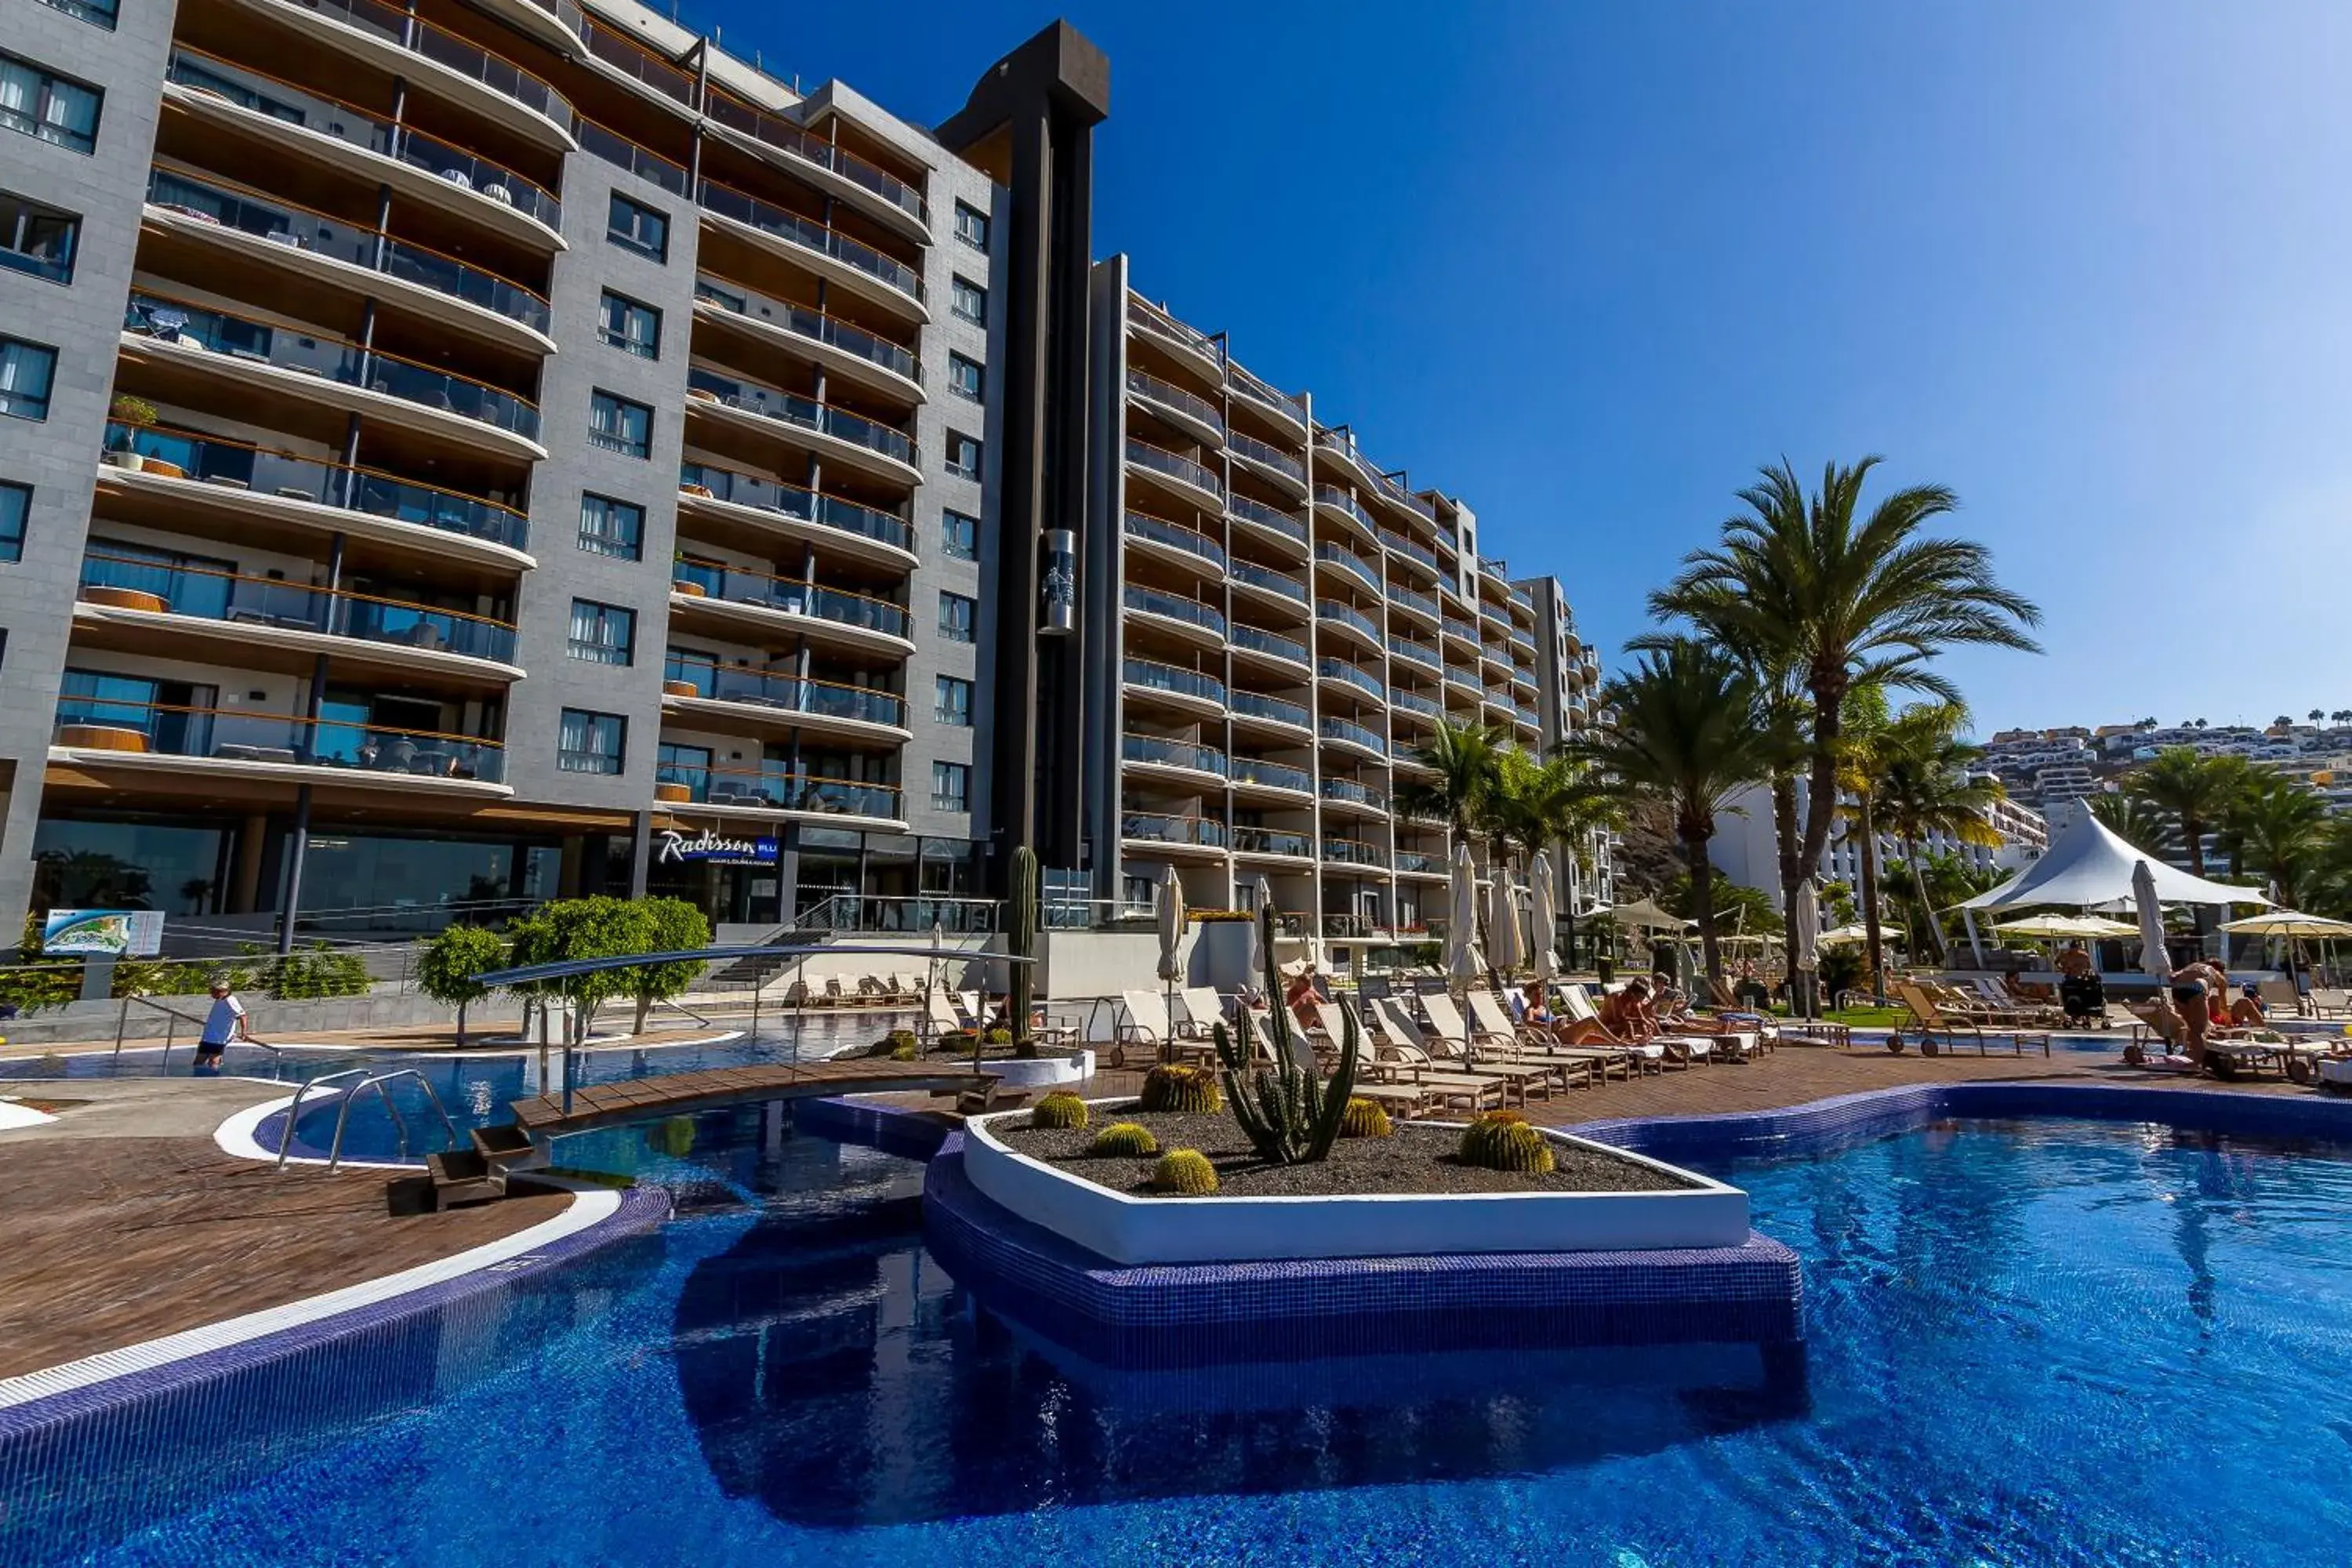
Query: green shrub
906,1052
1184,1091
318,970
1504,1141
1060,1108
1185,1170
898,1046
1125,1138
446,969
1364,1118
999,1036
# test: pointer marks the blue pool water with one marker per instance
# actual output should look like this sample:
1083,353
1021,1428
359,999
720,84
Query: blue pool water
2031,1343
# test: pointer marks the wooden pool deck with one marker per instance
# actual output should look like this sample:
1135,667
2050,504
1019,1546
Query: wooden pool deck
710,1089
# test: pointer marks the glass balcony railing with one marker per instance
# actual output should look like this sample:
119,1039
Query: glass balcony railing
1273,776
780,789
1265,456
1523,599
1415,860
1455,626
1341,501
1396,490
1274,709
1156,828
1172,753
1173,677
1353,852
245,736
1267,577
1191,541
418,36
791,501
1260,640
181,322
1462,679
1526,715
203,593
769,689
1332,610
1398,544
1413,652
1411,600
1161,460
787,137
1167,395
1152,319
210,200
601,141
629,57
809,235
1263,392
735,585
1354,734
806,413
814,325
1347,561
1152,602
1347,674
1412,703
1356,793
238,466
1272,841
1247,510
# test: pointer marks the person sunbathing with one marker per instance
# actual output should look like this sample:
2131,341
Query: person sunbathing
1625,1013
2246,1012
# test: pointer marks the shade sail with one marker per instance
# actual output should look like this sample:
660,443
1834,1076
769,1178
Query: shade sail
2087,863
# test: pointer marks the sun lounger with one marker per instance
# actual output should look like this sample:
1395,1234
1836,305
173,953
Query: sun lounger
2326,1001
1650,1055
1203,1011
1488,1014
1410,1043
1930,1020
2274,994
1146,1025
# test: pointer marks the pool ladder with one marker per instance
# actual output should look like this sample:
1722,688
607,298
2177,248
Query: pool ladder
369,1079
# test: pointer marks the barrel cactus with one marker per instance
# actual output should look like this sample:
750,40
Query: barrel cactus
1127,1139
1185,1170
1504,1141
1060,1110
1364,1118
1182,1090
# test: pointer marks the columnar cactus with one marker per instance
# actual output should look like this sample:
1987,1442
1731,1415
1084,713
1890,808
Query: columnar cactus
1290,1114
1021,936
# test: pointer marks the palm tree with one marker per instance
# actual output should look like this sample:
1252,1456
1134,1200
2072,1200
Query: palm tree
1534,805
1847,602
2316,715
2134,820
1687,736
1863,739
1926,791
2282,827
2341,716
1465,759
2192,792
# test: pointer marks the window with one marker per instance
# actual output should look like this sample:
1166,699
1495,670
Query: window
38,239
963,455
591,742
633,226
966,379
951,702
958,617
951,786
51,107
632,328
971,226
97,13
618,425
15,505
959,536
602,634
24,373
970,301
614,528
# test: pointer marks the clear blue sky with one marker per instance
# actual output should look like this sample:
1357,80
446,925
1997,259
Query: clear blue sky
1586,265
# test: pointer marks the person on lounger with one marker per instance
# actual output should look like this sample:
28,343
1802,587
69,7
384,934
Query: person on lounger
1528,1006
1625,1013
2246,1012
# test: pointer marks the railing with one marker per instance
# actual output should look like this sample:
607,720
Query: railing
227,206
1282,523
446,48
1151,389
767,688
1526,715
1353,852
236,465
1172,753
1495,652
242,736
1395,490
1405,648
1272,841
1347,674
204,593
1265,455
617,150
1260,391
1153,319
1332,610
1339,500
791,501
1272,581
1354,734
1414,703
1522,640
1191,541
1273,776
1415,860
1152,602
780,789
1172,679
769,218
1356,793
805,413
1401,545
1349,562
1457,627
1161,461
630,59
787,137
186,324
349,122
1463,679
1158,828
736,586
1523,599
814,325
1274,709
1399,594
1273,643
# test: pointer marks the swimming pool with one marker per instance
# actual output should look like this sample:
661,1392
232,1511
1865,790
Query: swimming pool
2033,1342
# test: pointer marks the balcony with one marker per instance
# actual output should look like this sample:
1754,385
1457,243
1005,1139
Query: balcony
706,487
1422,605
1339,731
777,790
1414,702
1421,554
874,189
1290,410
625,57
784,700
1248,639
1414,653
734,592
849,350
1247,706
1181,832
1349,675
1353,852
1463,682
1365,630
1195,416
1190,688
1269,462
300,361
850,262
236,481
188,743
159,605
1194,481
1390,488
1414,863
1522,599
1249,574
601,141
1273,841
1462,631
1349,792
1345,560
1339,504
1157,751
1525,716
1279,525
1256,772
844,436
1187,546
337,251
399,42
1203,353
1201,621
1334,447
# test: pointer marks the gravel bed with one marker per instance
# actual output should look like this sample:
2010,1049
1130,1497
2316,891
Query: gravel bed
1416,1159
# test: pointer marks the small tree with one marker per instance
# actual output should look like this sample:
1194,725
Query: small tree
446,969
667,925
573,929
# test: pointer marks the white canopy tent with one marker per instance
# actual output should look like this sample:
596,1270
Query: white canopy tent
2089,865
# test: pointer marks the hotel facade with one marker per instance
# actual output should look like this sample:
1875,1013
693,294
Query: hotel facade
462,454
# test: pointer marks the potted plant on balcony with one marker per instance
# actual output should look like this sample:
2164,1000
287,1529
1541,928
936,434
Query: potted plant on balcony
679,581
129,415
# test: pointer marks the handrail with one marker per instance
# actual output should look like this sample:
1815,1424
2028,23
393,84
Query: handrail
792,581
1175,465
810,234
833,329
1264,453
1243,509
294,1107
824,509
626,152
1167,393
1155,319
1259,390
786,137
1175,535
396,24
773,403
335,1152
179,570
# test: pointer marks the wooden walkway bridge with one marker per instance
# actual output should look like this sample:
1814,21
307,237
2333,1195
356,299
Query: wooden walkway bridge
684,1093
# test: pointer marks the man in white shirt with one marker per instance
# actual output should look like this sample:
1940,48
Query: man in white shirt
224,1024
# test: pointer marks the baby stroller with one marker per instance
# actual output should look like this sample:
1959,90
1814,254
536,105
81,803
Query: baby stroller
2083,999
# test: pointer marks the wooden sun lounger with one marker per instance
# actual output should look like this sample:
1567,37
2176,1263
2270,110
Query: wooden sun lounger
1534,1039
1931,1020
